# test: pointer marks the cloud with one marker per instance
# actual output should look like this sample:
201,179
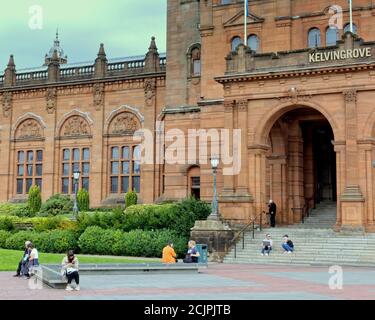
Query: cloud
124,26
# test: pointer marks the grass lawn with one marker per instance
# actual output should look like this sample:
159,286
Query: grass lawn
9,259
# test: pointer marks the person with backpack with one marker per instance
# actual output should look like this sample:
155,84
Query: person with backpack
287,245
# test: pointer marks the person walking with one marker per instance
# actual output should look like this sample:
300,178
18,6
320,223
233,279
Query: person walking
272,208
69,270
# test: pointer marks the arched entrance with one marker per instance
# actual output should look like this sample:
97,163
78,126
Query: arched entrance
301,163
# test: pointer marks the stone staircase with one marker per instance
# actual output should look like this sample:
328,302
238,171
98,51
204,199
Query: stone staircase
315,244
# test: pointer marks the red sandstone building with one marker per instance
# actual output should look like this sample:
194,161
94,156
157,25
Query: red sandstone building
302,94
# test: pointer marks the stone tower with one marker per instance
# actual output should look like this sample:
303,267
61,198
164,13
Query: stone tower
183,20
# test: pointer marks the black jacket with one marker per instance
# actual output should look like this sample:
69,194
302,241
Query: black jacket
272,208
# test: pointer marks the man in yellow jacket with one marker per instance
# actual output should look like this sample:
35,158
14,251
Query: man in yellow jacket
169,255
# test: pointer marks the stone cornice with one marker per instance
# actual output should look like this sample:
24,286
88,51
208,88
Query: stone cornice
84,82
295,73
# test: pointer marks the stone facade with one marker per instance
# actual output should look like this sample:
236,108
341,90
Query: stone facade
306,115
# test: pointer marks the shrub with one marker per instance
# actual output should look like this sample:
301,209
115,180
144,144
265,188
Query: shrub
34,200
13,209
23,211
7,223
57,241
4,235
17,240
57,205
83,200
96,240
131,198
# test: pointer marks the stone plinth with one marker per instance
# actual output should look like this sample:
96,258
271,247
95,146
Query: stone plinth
352,207
216,235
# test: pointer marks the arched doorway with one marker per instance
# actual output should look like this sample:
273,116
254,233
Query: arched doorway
301,163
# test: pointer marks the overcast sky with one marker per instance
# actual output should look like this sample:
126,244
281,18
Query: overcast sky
124,26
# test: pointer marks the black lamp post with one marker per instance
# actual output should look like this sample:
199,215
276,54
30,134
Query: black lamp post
215,207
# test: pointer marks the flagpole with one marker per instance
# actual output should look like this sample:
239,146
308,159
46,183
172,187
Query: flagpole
245,26
351,15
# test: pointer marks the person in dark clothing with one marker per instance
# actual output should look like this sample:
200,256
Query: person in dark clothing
272,212
23,261
192,255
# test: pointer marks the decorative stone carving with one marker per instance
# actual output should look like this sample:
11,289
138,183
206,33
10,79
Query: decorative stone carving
29,130
228,106
242,105
150,88
350,95
98,96
294,95
51,97
7,103
124,124
75,126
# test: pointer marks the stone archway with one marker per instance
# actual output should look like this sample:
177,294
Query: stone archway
296,174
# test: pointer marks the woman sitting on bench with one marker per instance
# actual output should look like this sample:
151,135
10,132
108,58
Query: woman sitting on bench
192,255
70,270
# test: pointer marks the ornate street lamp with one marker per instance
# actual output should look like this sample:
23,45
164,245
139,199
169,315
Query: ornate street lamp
76,175
214,212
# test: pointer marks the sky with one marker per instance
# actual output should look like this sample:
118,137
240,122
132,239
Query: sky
28,28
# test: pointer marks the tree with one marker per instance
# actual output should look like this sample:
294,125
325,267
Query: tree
83,200
34,200
131,198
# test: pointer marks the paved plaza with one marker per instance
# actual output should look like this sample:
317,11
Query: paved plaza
218,282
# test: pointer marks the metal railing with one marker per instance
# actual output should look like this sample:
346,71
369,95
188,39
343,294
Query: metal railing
241,233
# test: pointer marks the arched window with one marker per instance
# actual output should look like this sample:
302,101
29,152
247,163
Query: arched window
253,42
331,36
347,28
314,38
196,62
236,41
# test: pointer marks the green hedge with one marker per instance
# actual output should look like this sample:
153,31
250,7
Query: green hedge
34,200
179,217
56,241
12,209
4,235
83,200
8,223
96,240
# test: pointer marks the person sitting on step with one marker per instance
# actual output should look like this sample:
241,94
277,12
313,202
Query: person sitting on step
287,245
267,245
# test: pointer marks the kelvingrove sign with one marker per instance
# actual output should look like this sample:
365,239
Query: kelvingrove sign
340,55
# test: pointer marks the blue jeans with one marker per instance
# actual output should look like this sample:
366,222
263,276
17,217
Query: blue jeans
266,250
288,248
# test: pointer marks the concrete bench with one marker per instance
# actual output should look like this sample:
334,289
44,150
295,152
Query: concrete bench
51,276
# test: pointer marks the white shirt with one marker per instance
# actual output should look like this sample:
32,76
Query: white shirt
34,254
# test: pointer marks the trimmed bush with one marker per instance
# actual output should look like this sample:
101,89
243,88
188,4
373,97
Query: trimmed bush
34,200
56,241
56,205
96,240
17,240
131,198
4,235
83,200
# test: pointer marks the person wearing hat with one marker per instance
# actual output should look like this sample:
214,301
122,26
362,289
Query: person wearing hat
169,255
24,260
69,270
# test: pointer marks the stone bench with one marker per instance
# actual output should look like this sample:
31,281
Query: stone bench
51,276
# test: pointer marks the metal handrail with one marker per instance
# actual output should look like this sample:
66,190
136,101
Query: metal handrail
243,230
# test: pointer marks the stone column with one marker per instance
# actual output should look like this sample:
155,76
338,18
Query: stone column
228,188
352,200
295,172
340,177
242,180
